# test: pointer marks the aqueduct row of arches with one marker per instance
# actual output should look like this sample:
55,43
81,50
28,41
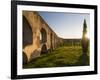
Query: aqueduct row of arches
38,37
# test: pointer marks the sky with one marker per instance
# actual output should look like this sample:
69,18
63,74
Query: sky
66,25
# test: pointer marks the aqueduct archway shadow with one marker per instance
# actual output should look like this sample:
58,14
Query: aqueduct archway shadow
25,59
51,42
43,36
27,33
44,49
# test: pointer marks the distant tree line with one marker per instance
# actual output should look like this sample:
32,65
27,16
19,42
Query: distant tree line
72,42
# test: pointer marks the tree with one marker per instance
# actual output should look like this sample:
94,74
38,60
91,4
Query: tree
84,38
84,29
84,58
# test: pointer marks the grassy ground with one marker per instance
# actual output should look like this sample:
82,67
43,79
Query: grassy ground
60,57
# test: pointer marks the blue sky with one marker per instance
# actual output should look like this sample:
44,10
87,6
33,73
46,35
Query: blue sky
66,25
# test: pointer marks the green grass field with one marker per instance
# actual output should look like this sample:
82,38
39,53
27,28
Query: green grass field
60,57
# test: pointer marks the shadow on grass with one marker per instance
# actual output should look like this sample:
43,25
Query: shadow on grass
83,60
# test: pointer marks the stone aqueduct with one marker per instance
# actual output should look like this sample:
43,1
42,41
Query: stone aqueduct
38,37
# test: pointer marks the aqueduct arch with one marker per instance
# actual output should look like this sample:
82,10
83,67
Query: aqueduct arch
27,37
43,35
43,40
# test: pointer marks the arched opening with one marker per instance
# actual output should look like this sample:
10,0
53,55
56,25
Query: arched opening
51,41
25,59
27,33
43,36
35,54
44,49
